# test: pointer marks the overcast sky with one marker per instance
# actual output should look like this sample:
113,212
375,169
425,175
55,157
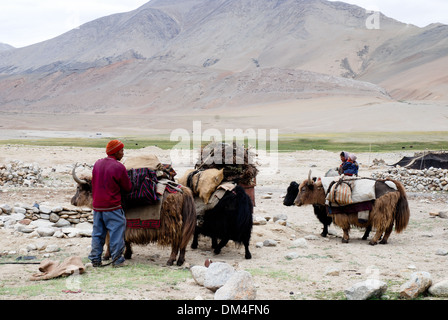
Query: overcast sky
24,22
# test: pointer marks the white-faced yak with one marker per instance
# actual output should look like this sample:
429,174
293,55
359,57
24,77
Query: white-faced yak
390,207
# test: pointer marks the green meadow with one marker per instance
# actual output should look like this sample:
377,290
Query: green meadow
355,141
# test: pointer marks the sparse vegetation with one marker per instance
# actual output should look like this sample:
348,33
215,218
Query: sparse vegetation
356,142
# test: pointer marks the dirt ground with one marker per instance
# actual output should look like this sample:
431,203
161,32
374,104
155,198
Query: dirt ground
276,278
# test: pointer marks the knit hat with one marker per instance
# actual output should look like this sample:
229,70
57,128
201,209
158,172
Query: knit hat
113,147
353,157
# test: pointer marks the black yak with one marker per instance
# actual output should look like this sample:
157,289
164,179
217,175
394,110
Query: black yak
230,219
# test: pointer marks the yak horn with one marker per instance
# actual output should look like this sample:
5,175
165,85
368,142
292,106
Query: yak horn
75,177
309,177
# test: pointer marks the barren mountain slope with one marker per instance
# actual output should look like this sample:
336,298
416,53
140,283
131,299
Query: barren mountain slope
197,55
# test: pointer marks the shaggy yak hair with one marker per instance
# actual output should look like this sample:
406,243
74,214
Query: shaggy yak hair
390,207
319,210
177,219
230,219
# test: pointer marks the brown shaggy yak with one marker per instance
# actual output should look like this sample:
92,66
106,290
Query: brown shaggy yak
178,222
391,206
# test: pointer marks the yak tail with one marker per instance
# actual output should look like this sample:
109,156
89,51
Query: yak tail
244,216
402,212
188,217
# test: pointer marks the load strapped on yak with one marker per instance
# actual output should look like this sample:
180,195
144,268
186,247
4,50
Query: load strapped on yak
221,167
344,194
151,181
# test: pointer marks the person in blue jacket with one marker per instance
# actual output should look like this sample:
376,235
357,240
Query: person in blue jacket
344,157
350,167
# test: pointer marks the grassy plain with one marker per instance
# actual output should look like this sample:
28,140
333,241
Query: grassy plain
355,141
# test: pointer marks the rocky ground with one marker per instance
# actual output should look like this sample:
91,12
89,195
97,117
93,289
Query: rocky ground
290,260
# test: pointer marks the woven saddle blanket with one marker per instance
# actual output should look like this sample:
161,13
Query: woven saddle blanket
148,216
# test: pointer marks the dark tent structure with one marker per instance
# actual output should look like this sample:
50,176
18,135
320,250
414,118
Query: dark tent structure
424,161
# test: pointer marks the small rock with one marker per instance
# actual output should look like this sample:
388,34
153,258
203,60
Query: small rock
280,217
57,209
198,273
6,208
54,217
439,289
441,252
52,248
217,275
282,222
44,209
292,256
42,223
259,221
269,243
25,222
239,286
418,284
311,237
59,234
332,271
443,214
41,246
85,229
19,210
300,243
259,245
45,232
24,229
62,223
366,289
31,247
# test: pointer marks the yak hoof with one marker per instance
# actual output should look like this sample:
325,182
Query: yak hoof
128,255
170,263
372,243
324,234
180,262
217,251
383,242
344,240
248,256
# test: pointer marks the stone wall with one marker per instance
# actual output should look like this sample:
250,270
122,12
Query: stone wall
426,180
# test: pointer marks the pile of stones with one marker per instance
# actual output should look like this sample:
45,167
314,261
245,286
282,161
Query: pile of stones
426,180
17,173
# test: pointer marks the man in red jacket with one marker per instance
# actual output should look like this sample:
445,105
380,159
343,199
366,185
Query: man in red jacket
109,181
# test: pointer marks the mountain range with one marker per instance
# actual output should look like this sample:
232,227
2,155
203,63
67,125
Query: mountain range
184,56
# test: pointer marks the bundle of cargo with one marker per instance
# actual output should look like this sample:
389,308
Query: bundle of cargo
236,161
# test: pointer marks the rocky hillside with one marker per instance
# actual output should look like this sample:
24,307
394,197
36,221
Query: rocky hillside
5,47
190,54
